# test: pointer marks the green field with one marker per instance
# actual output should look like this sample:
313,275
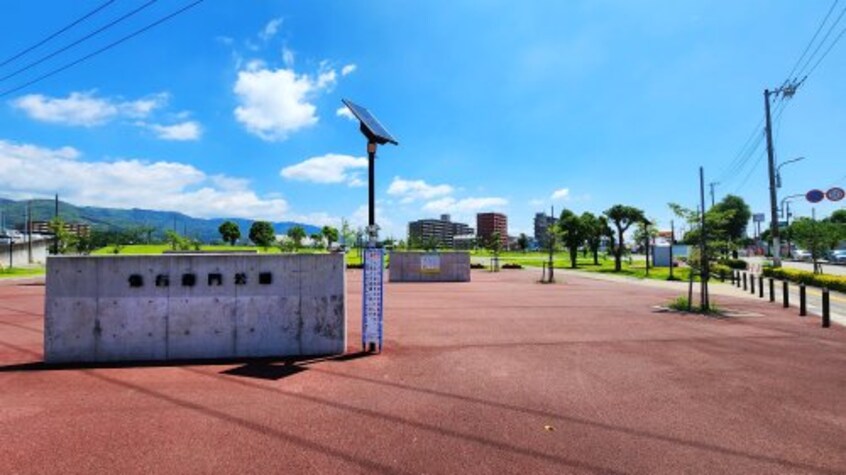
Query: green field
561,260
21,272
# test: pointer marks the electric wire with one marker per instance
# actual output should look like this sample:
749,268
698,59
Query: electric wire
59,32
830,47
101,50
813,38
80,40
821,43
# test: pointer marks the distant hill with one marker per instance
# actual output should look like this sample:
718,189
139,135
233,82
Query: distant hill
14,213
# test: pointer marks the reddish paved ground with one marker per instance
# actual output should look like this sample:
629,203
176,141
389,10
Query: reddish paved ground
471,375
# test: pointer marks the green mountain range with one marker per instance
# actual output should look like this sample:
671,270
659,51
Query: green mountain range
14,217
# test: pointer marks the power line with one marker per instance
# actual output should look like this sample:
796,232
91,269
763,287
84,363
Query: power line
57,33
80,40
830,47
751,171
101,50
822,42
813,38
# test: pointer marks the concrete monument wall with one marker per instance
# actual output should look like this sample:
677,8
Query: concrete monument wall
429,267
170,307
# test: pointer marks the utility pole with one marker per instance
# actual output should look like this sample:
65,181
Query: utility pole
56,220
672,242
550,238
776,242
29,231
703,255
712,185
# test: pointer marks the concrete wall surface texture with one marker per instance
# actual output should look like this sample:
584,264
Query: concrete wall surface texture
170,307
429,267
20,256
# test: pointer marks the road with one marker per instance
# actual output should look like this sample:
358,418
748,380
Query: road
833,269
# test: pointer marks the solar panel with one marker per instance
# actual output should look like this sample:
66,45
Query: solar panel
369,125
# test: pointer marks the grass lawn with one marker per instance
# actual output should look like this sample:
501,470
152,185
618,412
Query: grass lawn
150,249
561,260
21,272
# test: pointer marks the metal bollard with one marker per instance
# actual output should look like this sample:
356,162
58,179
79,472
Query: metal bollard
761,286
785,297
803,309
826,311
752,284
772,290
732,277
744,281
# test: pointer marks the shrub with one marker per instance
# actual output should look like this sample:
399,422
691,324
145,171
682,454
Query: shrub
476,265
831,282
737,264
512,265
721,271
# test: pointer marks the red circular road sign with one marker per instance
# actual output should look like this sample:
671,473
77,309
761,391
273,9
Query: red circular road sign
815,196
835,194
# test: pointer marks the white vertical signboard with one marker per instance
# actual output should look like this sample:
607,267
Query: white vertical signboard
372,299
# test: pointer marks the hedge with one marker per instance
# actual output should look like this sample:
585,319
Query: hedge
831,282
737,264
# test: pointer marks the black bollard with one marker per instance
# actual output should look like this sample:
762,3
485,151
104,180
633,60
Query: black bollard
761,286
772,290
785,297
732,277
744,282
803,309
826,311
752,284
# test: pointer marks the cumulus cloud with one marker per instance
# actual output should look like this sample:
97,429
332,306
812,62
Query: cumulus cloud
344,112
183,131
329,168
132,183
348,69
560,194
270,29
273,103
411,190
465,205
85,108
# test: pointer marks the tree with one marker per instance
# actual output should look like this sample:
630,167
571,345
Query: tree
572,235
177,242
330,234
818,237
494,245
430,243
64,240
349,236
645,232
837,217
262,234
229,232
523,242
735,216
297,234
316,240
622,217
594,229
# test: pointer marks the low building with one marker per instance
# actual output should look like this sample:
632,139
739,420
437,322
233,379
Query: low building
443,230
43,227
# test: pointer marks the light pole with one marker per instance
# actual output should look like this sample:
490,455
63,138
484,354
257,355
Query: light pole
373,294
778,169
785,210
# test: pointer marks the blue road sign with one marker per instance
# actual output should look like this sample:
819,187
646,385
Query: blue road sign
835,194
815,196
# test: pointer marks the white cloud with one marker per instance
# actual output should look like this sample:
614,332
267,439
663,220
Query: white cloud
276,102
329,168
465,205
33,170
188,130
344,112
535,202
411,190
270,29
85,108
560,194
288,57
348,69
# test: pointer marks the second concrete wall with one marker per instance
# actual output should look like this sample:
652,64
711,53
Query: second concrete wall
430,267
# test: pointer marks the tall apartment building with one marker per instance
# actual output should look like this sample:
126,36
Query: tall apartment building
444,230
489,223
542,224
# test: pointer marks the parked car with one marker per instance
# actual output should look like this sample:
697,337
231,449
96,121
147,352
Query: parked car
802,255
838,256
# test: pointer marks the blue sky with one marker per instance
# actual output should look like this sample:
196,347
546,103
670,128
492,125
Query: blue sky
231,109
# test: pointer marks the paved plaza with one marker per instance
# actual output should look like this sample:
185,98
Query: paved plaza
499,375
